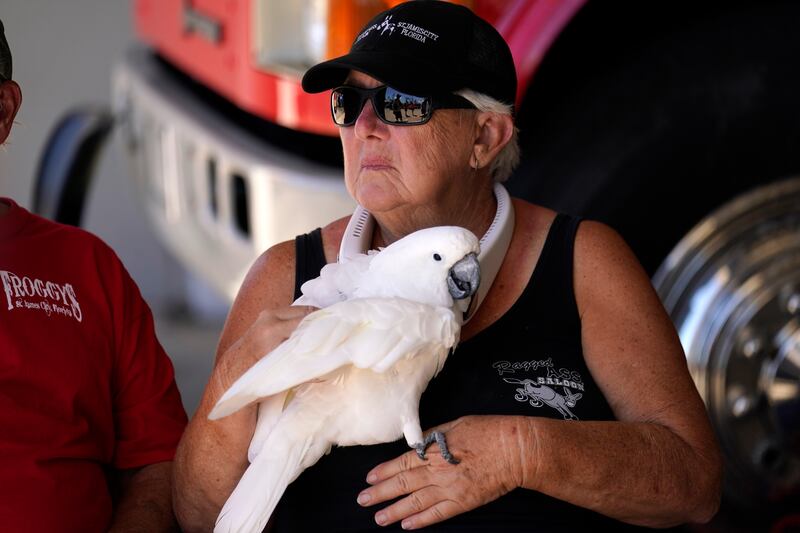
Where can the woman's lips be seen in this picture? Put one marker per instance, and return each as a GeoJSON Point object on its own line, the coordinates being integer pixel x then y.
{"type": "Point", "coordinates": [375, 163]}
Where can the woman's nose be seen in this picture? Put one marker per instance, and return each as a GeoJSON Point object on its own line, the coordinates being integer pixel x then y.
{"type": "Point", "coordinates": [368, 124]}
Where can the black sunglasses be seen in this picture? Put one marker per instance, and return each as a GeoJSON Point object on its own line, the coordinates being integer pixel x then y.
{"type": "Point", "coordinates": [391, 106]}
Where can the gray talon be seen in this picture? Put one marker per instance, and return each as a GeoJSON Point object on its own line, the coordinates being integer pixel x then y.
{"type": "Point", "coordinates": [420, 448]}
{"type": "Point", "coordinates": [439, 438]}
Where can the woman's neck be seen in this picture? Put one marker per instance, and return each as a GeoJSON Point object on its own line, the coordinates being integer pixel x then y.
{"type": "Point", "coordinates": [474, 213]}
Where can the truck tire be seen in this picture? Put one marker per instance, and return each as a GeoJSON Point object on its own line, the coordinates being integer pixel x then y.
{"type": "Point", "coordinates": [653, 117]}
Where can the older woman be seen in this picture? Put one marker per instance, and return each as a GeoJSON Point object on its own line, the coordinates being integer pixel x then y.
{"type": "Point", "coordinates": [568, 401]}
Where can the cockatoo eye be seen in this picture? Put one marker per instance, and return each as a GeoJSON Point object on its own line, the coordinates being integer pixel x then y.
{"type": "Point", "coordinates": [437, 257]}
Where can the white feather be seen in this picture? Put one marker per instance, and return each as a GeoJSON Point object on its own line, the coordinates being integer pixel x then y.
{"type": "Point", "coordinates": [336, 282]}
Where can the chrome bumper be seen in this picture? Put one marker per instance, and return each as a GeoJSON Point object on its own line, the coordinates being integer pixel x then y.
{"type": "Point", "coordinates": [216, 195]}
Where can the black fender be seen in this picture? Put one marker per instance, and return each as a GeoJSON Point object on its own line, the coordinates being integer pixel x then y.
{"type": "Point", "coordinates": [67, 163]}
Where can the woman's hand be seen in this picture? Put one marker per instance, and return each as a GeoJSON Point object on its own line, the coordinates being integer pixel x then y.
{"type": "Point", "coordinates": [488, 450]}
{"type": "Point", "coordinates": [272, 327]}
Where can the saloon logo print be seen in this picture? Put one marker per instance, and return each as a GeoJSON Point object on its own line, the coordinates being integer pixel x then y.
{"type": "Point", "coordinates": [556, 389]}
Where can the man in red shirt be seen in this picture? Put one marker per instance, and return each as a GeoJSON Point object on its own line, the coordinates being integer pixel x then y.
{"type": "Point", "coordinates": [89, 412]}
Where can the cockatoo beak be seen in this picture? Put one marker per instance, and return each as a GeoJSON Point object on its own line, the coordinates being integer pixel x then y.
{"type": "Point", "coordinates": [464, 277]}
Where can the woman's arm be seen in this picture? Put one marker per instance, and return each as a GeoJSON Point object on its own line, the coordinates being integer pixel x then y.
{"type": "Point", "coordinates": [658, 466]}
{"type": "Point", "coordinates": [661, 465]}
{"type": "Point", "coordinates": [212, 456]}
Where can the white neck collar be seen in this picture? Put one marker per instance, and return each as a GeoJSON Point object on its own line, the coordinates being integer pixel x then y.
{"type": "Point", "coordinates": [494, 244]}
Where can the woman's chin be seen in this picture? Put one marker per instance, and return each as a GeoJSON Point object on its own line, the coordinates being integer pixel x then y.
{"type": "Point", "coordinates": [376, 199]}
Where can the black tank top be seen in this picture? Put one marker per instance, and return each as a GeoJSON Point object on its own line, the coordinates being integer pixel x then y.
{"type": "Point", "coordinates": [529, 362]}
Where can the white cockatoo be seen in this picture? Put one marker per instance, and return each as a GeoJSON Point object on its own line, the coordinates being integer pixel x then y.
{"type": "Point", "coordinates": [352, 372]}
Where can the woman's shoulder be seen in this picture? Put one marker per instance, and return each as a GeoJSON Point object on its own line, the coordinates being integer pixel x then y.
{"type": "Point", "coordinates": [606, 268]}
{"type": "Point", "coordinates": [598, 242]}
{"type": "Point", "coordinates": [531, 220]}
{"type": "Point", "coordinates": [592, 237]}
{"type": "Point", "coordinates": [276, 265]}
{"type": "Point", "coordinates": [270, 280]}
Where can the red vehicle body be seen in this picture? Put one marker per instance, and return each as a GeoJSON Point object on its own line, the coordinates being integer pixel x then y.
{"type": "Point", "coordinates": [676, 122]}
{"type": "Point", "coordinates": [221, 58]}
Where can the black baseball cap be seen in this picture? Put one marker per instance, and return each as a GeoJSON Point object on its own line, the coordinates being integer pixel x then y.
{"type": "Point", "coordinates": [5, 55]}
{"type": "Point", "coordinates": [425, 47]}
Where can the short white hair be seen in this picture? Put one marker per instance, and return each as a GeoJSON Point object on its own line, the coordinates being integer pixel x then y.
{"type": "Point", "coordinates": [508, 158]}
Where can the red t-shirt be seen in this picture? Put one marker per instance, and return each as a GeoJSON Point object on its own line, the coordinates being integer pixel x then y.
{"type": "Point", "coordinates": [85, 387]}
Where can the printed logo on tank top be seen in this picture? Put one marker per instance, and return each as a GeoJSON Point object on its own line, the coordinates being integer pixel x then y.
{"type": "Point", "coordinates": [542, 384]}
{"type": "Point", "coordinates": [52, 299]}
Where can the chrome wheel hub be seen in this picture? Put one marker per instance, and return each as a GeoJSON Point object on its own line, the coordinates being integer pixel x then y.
{"type": "Point", "coordinates": [732, 288]}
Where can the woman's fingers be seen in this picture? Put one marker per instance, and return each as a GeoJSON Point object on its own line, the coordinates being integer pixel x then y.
{"type": "Point", "coordinates": [437, 512]}
{"type": "Point", "coordinates": [434, 490]}
{"type": "Point", "coordinates": [383, 471]}
{"type": "Point", "coordinates": [420, 507]}
{"type": "Point", "coordinates": [274, 326]}
{"type": "Point", "coordinates": [401, 483]}
{"type": "Point", "coordinates": [294, 311]}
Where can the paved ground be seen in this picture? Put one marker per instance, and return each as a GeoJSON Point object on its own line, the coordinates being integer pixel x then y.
{"type": "Point", "coordinates": [191, 345]}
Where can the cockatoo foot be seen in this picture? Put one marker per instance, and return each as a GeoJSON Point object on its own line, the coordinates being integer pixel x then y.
{"type": "Point", "coordinates": [439, 438]}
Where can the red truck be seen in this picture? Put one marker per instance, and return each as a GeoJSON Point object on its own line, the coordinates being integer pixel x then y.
{"type": "Point", "coordinates": [676, 122]}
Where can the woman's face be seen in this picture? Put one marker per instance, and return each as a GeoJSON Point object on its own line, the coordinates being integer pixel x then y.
{"type": "Point", "coordinates": [406, 169]}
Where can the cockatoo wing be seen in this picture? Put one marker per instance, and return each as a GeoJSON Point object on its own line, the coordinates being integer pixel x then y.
{"type": "Point", "coordinates": [369, 333]}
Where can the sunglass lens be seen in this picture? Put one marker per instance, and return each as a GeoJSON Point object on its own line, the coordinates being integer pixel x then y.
{"type": "Point", "coordinates": [345, 105]}
{"type": "Point", "coordinates": [402, 108]}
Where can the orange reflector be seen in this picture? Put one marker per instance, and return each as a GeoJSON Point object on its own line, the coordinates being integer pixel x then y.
{"type": "Point", "coordinates": [345, 18]}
